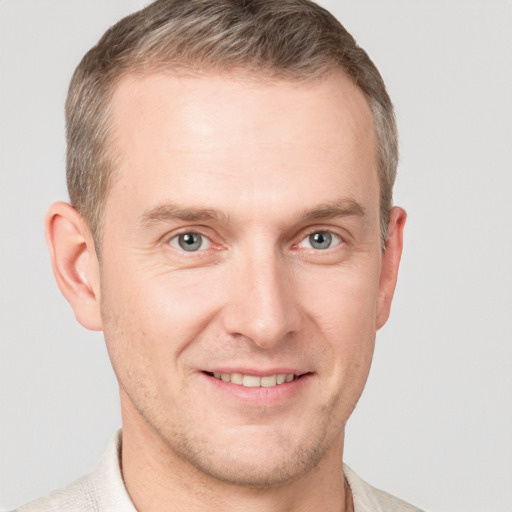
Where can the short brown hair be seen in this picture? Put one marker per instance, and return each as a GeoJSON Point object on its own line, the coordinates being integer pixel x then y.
{"type": "Point", "coordinates": [286, 39]}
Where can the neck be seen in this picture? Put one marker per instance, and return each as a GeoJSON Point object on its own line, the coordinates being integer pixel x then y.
{"type": "Point", "coordinates": [158, 479]}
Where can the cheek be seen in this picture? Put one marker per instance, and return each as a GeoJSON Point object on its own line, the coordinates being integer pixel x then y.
{"type": "Point", "coordinates": [343, 300]}
{"type": "Point", "coordinates": [344, 311]}
{"type": "Point", "coordinates": [156, 314]}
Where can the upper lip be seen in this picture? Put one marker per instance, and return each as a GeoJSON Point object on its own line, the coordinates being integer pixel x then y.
{"type": "Point", "coordinates": [258, 372]}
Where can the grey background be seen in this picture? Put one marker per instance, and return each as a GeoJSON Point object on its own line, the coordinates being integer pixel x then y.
{"type": "Point", "coordinates": [435, 423]}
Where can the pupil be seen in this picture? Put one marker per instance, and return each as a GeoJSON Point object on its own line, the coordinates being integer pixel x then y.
{"type": "Point", "coordinates": [190, 241]}
{"type": "Point", "coordinates": [321, 240]}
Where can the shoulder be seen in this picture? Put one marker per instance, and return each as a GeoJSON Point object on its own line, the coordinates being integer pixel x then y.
{"type": "Point", "coordinates": [102, 490]}
{"type": "Point", "coordinates": [77, 496]}
{"type": "Point", "coordinates": [369, 499]}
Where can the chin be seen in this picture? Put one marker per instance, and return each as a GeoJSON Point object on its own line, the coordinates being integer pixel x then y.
{"type": "Point", "coordinates": [259, 475]}
{"type": "Point", "coordinates": [263, 462]}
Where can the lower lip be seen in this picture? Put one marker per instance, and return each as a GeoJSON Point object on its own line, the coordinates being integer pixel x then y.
{"type": "Point", "coordinates": [260, 396]}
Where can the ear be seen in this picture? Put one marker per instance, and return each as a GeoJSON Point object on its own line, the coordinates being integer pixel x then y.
{"type": "Point", "coordinates": [390, 263]}
{"type": "Point", "coordinates": [74, 261]}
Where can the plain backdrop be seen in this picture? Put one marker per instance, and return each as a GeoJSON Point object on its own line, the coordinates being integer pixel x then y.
{"type": "Point", "coordinates": [434, 425]}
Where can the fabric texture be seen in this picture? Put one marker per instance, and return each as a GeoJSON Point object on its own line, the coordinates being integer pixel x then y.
{"type": "Point", "coordinates": [103, 490]}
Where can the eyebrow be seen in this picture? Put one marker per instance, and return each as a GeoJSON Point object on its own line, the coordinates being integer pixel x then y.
{"type": "Point", "coordinates": [341, 208]}
{"type": "Point", "coordinates": [171, 212]}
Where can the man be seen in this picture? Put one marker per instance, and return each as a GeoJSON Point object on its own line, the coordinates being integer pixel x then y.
{"type": "Point", "coordinates": [231, 230]}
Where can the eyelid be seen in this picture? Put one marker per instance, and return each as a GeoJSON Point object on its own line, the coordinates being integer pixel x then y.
{"type": "Point", "coordinates": [205, 241]}
{"type": "Point", "coordinates": [196, 230]}
{"type": "Point", "coordinates": [339, 238]}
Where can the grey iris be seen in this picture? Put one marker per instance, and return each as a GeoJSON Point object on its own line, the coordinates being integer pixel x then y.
{"type": "Point", "coordinates": [190, 241]}
{"type": "Point", "coordinates": [320, 240]}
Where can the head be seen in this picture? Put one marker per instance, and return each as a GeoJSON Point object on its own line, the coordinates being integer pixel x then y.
{"type": "Point", "coordinates": [234, 161]}
{"type": "Point", "coordinates": [294, 40]}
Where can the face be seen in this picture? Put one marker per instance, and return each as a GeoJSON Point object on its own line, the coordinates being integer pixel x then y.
{"type": "Point", "coordinates": [241, 277]}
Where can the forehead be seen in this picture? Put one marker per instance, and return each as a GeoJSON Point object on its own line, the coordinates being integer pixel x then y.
{"type": "Point", "coordinates": [245, 101]}
{"type": "Point", "coordinates": [208, 137]}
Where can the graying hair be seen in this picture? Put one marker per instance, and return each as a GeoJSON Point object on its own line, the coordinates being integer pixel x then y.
{"type": "Point", "coordinates": [284, 39]}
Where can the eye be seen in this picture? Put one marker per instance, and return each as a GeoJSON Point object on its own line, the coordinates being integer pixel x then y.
{"type": "Point", "coordinates": [190, 242]}
{"type": "Point", "coordinates": [320, 240]}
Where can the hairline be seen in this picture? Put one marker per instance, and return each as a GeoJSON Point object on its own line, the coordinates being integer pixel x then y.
{"type": "Point", "coordinates": [249, 73]}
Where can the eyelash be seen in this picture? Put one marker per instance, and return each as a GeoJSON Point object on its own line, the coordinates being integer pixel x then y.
{"type": "Point", "coordinates": [334, 237]}
{"type": "Point", "coordinates": [176, 245]}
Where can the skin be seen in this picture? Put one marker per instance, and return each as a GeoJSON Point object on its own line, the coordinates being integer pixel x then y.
{"type": "Point", "coordinates": [254, 168]}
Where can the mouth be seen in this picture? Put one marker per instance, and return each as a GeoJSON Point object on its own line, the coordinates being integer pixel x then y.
{"type": "Point", "coordinates": [255, 381]}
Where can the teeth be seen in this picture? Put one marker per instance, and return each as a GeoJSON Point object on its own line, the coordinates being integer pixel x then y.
{"type": "Point", "coordinates": [269, 381]}
{"type": "Point", "coordinates": [252, 381]}
{"type": "Point", "coordinates": [237, 378]}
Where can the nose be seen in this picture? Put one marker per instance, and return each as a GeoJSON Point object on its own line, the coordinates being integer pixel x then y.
{"type": "Point", "coordinates": [261, 304]}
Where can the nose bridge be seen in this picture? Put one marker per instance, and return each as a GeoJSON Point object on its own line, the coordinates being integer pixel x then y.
{"type": "Point", "coordinates": [262, 305]}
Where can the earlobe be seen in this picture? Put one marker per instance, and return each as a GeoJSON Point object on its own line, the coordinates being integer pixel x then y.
{"type": "Point", "coordinates": [390, 263]}
{"type": "Point", "coordinates": [74, 261]}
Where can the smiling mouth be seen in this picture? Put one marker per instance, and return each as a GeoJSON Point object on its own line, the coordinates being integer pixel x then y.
{"type": "Point", "coordinates": [254, 381]}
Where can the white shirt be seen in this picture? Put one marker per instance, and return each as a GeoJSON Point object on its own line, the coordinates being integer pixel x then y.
{"type": "Point", "coordinates": [103, 490]}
